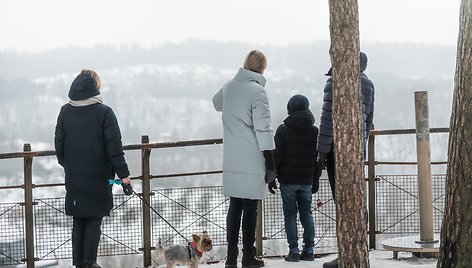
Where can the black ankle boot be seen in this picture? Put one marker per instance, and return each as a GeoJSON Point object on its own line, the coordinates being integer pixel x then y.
{"type": "Point", "coordinates": [93, 265]}
{"type": "Point", "coordinates": [331, 264]}
{"type": "Point", "coordinates": [250, 260]}
{"type": "Point", "coordinates": [232, 259]}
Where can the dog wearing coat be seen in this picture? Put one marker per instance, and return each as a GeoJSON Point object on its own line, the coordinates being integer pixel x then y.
{"type": "Point", "coordinates": [190, 254]}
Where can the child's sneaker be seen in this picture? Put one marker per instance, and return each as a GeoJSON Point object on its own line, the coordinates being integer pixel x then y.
{"type": "Point", "coordinates": [293, 257]}
{"type": "Point", "coordinates": [306, 256]}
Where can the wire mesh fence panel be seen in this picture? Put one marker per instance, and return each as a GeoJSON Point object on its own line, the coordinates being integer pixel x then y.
{"type": "Point", "coordinates": [323, 210]}
{"type": "Point", "coordinates": [12, 235]}
{"type": "Point", "coordinates": [52, 229]}
{"type": "Point", "coordinates": [397, 207]}
{"type": "Point", "coordinates": [122, 231]}
{"type": "Point", "coordinates": [439, 200]}
{"type": "Point", "coordinates": [187, 211]}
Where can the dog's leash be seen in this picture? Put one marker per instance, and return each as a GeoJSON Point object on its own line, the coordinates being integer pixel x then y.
{"type": "Point", "coordinates": [128, 190]}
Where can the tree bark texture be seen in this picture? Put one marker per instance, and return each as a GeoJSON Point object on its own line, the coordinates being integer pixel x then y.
{"type": "Point", "coordinates": [351, 224]}
{"type": "Point", "coordinates": [456, 233]}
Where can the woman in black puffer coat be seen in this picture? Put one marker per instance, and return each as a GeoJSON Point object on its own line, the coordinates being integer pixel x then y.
{"type": "Point", "coordinates": [88, 146]}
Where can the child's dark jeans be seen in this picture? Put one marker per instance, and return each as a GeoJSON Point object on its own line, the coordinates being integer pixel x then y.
{"type": "Point", "coordinates": [297, 198]}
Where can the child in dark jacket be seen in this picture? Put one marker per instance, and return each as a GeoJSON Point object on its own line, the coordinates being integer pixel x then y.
{"type": "Point", "coordinates": [295, 156]}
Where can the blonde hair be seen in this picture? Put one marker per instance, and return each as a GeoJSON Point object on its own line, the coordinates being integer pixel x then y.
{"type": "Point", "coordinates": [255, 61]}
{"type": "Point", "coordinates": [95, 77]}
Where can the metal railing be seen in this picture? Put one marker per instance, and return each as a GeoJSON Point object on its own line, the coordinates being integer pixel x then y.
{"type": "Point", "coordinates": [373, 180]}
{"type": "Point", "coordinates": [38, 229]}
{"type": "Point", "coordinates": [29, 203]}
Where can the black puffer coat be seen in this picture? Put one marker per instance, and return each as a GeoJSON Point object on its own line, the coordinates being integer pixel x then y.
{"type": "Point", "coordinates": [325, 139]}
{"type": "Point", "coordinates": [295, 148]}
{"type": "Point", "coordinates": [88, 146]}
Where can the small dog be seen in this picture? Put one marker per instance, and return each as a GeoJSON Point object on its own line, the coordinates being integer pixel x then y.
{"type": "Point", "coordinates": [190, 255]}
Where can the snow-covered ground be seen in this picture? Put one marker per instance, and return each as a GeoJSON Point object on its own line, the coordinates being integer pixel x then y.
{"type": "Point", "coordinates": [378, 259]}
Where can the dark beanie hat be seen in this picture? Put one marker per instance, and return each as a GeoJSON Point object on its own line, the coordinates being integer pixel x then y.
{"type": "Point", "coordinates": [330, 72]}
{"type": "Point", "coordinates": [297, 103]}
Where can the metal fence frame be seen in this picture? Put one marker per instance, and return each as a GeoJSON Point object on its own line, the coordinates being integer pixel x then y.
{"type": "Point", "coordinates": [372, 178]}
{"type": "Point", "coordinates": [147, 218]}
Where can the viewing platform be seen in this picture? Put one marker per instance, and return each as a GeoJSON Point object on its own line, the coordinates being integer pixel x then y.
{"type": "Point", "coordinates": [36, 230]}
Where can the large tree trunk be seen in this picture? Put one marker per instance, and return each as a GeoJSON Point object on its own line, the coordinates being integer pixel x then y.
{"type": "Point", "coordinates": [456, 233]}
{"type": "Point", "coordinates": [351, 223]}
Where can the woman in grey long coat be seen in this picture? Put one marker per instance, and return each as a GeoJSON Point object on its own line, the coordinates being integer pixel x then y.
{"type": "Point", "coordinates": [248, 160]}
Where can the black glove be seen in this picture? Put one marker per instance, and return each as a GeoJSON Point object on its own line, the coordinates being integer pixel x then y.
{"type": "Point", "coordinates": [127, 188]}
{"type": "Point", "coordinates": [316, 185]}
{"type": "Point", "coordinates": [270, 166]}
{"type": "Point", "coordinates": [316, 180]}
{"type": "Point", "coordinates": [272, 186]}
{"type": "Point", "coordinates": [321, 161]}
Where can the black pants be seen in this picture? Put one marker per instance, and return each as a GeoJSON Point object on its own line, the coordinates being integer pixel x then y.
{"type": "Point", "coordinates": [85, 238]}
{"type": "Point", "coordinates": [248, 209]}
{"type": "Point", "coordinates": [330, 168]}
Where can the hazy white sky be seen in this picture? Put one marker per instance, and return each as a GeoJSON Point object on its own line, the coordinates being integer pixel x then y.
{"type": "Point", "coordinates": [32, 25]}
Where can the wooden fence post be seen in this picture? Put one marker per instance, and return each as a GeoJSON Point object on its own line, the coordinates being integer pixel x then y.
{"type": "Point", "coordinates": [372, 191]}
{"type": "Point", "coordinates": [28, 195]}
{"type": "Point", "coordinates": [146, 195]}
{"type": "Point", "coordinates": [425, 190]}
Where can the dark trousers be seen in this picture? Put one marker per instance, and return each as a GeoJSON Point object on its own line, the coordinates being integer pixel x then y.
{"type": "Point", "coordinates": [330, 168]}
{"type": "Point", "coordinates": [296, 199]}
{"type": "Point", "coordinates": [248, 209]}
{"type": "Point", "coordinates": [85, 238]}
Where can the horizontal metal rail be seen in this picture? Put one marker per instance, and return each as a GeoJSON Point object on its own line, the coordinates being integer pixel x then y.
{"type": "Point", "coordinates": [173, 175]}
{"type": "Point", "coordinates": [376, 132]}
{"type": "Point", "coordinates": [125, 147]}
{"type": "Point", "coordinates": [406, 163]}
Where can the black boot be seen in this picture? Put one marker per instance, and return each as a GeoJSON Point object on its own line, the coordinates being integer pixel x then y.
{"type": "Point", "coordinates": [250, 260]}
{"type": "Point", "coordinates": [232, 258]}
{"type": "Point", "coordinates": [307, 254]}
{"type": "Point", "coordinates": [93, 265]}
{"type": "Point", "coordinates": [331, 264]}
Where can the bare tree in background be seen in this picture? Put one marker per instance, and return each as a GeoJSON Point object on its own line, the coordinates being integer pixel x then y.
{"type": "Point", "coordinates": [456, 233]}
{"type": "Point", "coordinates": [351, 224]}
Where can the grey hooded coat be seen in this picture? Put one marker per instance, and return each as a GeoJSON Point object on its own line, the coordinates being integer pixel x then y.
{"type": "Point", "coordinates": [246, 133]}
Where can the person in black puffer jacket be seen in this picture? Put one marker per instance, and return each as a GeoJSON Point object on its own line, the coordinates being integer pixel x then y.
{"type": "Point", "coordinates": [295, 156]}
{"type": "Point", "coordinates": [326, 157]}
{"type": "Point", "coordinates": [88, 146]}
{"type": "Point", "coordinates": [325, 145]}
